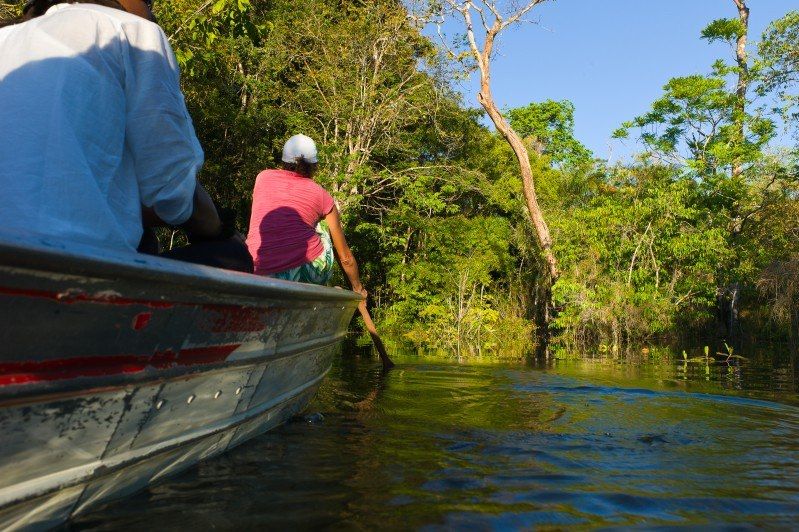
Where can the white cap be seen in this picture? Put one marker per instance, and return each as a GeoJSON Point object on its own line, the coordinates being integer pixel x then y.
{"type": "Point", "coordinates": [299, 147]}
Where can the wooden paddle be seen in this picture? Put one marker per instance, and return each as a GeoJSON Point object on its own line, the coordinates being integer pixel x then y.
{"type": "Point", "coordinates": [370, 326]}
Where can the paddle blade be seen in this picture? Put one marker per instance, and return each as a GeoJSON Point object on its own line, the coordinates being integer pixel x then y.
{"type": "Point", "coordinates": [378, 343]}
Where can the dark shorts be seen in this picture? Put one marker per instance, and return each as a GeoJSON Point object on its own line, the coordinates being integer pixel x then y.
{"type": "Point", "coordinates": [229, 254]}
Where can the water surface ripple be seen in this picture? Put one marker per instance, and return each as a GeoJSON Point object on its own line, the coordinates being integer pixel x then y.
{"type": "Point", "coordinates": [436, 444]}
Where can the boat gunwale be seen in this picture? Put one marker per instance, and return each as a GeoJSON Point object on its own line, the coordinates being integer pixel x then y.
{"type": "Point", "coordinates": [87, 261]}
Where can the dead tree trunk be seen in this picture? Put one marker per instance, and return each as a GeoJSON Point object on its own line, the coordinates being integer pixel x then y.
{"type": "Point", "coordinates": [493, 22]}
{"type": "Point", "coordinates": [523, 157]}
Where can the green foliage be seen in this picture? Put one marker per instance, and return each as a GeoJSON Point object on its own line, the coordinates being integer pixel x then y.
{"type": "Point", "coordinates": [694, 124]}
{"type": "Point", "coordinates": [447, 260]}
{"type": "Point", "coordinates": [549, 125]}
{"type": "Point", "coordinates": [639, 256]}
{"type": "Point", "coordinates": [451, 290]}
{"type": "Point", "coordinates": [720, 145]}
{"type": "Point", "coordinates": [779, 49]}
{"type": "Point", "coordinates": [778, 66]}
{"type": "Point", "coordinates": [9, 11]}
{"type": "Point", "coordinates": [194, 28]}
{"type": "Point", "coordinates": [724, 29]}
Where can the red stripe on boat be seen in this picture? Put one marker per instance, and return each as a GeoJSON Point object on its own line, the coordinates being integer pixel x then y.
{"type": "Point", "coordinates": [226, 318]}
{"type": "Point", "coordinates": [70, 368]}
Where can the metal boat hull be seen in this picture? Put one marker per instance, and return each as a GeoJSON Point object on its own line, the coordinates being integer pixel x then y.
{"type": "Point", "coordinates": [118, 371]}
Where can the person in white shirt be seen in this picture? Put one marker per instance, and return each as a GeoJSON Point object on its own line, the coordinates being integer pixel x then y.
{"type": "Point", "coordinates": [95, 137]}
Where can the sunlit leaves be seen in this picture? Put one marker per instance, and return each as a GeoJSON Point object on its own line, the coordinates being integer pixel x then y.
{"type": "Point", "coordinates": [195, 27]}
{"type": "Point", "coordinates": [639, 256]}
{"type": "Point", "coordinates": [724, 29]}
{"type": "Point", "coordinates": [778, 65]}
{"type": "Point", "coordinates": [549, 125]}
{"type": "Point", "coordinates": [9, 10]}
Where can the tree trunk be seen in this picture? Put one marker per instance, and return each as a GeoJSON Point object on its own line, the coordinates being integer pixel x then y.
{"type": "Point", "coordinates": [793, 331]}
{"type": "Point", "coordinates": [542, 313]}
{"type": "Point", "coordinates": [486, 99]}
{"type": "Point", "coordinates": [733, 326]}
{"type": "Point", "coordinates": [523, 157]}
{"type": "Point", "coordinates": [732, 292]}
{"type": "Point", "coordinates": [743, 82]}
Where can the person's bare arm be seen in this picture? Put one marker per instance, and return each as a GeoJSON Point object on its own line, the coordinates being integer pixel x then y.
{"type": "Point", "coordinates": [343, 253]}
{"type": "Point", "coordinates": [204, 221]}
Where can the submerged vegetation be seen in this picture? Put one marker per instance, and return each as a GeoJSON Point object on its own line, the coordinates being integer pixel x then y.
{"type": "Point", "coordinates": [697, 235]}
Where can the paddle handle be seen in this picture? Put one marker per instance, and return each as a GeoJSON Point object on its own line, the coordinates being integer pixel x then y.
{"type": "Point", "coordinates": [370, 327]}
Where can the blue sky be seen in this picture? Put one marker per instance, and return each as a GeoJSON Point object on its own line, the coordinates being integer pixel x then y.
{"type": "Point", "coordinates": [611, 58]}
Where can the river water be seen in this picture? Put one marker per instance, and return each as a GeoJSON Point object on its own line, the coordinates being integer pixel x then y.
{"type": "Point", "coordinates": [596, 440]}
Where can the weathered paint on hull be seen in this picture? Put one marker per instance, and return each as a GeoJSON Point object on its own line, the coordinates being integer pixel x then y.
{"type": "Point", "coordinates": [117, 371]}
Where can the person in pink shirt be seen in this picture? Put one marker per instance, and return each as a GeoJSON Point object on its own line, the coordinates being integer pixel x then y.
{"type": "Point", "coordinates": [286, 239]}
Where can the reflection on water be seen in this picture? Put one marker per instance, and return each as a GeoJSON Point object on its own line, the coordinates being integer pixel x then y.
{"type": "Point", "coordinates": [612, 441]}
{"type": "Point", "coordinates": [770, 374]}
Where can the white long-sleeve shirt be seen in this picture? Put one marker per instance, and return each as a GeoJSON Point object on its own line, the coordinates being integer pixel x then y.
{"type": "Point", "coordinates": [92, 126]}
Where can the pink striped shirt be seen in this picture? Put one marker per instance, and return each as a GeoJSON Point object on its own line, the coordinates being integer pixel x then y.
{"type": "Point", "coordinates": [285, 210]}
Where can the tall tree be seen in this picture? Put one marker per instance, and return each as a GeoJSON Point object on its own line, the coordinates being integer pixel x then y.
{"type": "Point", "coordinates": [362, 82]}
{"type": "Point", "coordinates": [735, 31]}
{"type": "Point", "coordinates": [743, 79]}
{"type": "Point", "coordinates": [493, 20]}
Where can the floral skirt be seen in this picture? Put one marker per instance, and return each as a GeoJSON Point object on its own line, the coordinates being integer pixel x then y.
{"type": "Point", "coordinates": [318, 271]}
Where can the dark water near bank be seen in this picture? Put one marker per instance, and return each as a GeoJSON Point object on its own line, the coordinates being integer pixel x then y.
{"type": "Point", "coordinates": [642, 439]}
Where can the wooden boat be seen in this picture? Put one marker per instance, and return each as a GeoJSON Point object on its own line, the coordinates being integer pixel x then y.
{"type": "Point", "coordinates": [117, 370]}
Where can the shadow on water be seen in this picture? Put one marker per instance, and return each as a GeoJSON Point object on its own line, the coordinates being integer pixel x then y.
{"type": "Point", "coordinates": [437, 444]}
